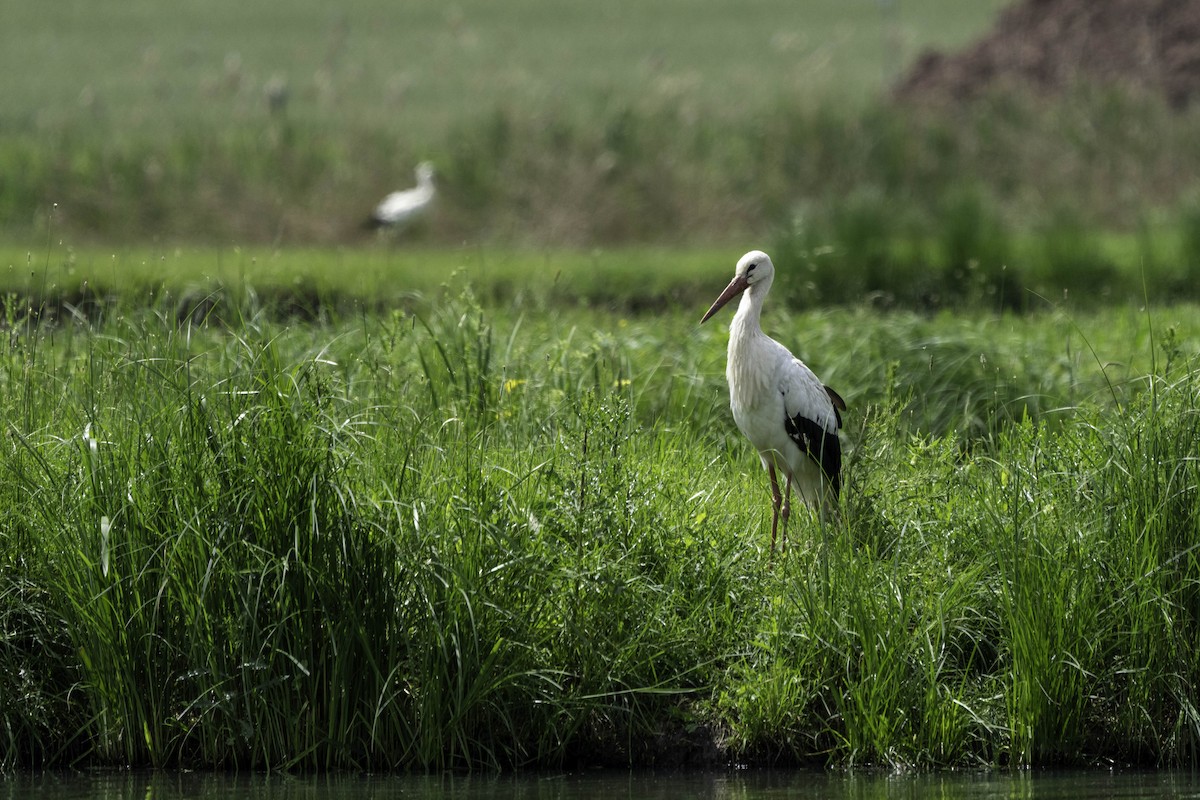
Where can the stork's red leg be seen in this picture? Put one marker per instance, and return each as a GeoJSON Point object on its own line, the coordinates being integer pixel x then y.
{"type": "Point", "coordinates": [787, 508]}
{"type": "Point", "coordinates": [775, 500]}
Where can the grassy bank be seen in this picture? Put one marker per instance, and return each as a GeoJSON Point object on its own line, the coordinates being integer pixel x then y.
{"type": "Point", "coordinates": [847, 259]}
{"type": "Point", "coordinates": [473, 498]}
{"type": "Point", "coordinates": [474, 537]}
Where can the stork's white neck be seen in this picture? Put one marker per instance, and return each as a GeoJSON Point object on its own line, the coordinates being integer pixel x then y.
{"type": "Point", "coordinates": [747, 343]}
{"type": "Point", "coordinates": [746, 320]}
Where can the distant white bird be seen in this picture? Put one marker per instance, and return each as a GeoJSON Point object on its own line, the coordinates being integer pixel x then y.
{"type": "Point", "coordinates": [789, 416]}
{"type": "Point", "coordinates": [400, 208]}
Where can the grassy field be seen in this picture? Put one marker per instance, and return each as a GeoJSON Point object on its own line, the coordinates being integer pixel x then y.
{"type": "Point", "coordinates": [756, 121]}
{"type": "Point", "coordinates": [414, 72]}
{"type": "Point", "coordinates": [854, 258]}
{"type": "Point", "coordinates": [154, 123]}
{"type": "Point", "coordinates": [469, 534]}
{"type": "Point", "coordinates": [473, 498]}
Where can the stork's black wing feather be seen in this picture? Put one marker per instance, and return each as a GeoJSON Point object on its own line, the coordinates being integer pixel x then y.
{"type": "Point", "coordinates": [822, 446]}
{"type": "Point", "coordinates": [838, 403]}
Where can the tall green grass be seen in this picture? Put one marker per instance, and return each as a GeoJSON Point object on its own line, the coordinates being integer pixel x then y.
{"type": "Point", "coordinates": [464, 537]}
{"type": "Point", "coordinates": [1026, 607]}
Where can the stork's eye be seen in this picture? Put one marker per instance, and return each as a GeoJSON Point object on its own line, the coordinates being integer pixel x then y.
{"type": "Point", "coordinates": [750, 268]}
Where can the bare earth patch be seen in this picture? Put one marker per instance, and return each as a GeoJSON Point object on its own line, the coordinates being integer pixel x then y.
{"type": "Point", "coordinates": [1048, 45]}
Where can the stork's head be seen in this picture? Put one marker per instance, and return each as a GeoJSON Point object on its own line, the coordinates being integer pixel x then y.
{"type": "Point", "coordinates": [424, 172]}
{"type": "Point", "coordinates": [753, 269]}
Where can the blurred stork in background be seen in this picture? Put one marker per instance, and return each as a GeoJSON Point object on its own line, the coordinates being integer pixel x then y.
{"type": "Point", "coordinates": [399, 209]}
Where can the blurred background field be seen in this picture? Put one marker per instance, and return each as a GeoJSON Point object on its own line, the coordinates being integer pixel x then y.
{"type": "Point", "coordinates": [415, 70]}
{"type": "Point", "coordinates": [549, 123]}
{"type": "Point", "coordinates": [816, 130]}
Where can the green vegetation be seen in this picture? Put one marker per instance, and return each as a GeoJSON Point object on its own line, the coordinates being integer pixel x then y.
{"type": "Point", "coordinates": [610, 173]}
{"type": "Point", "coordinates": [844, 261]}
{"type": "Point", "coordinates": [762, 123]}
{"type": "Point", "coordinates": [475, 536]}
{"type": "Point", "coordinates": [475, 499]}
{"type": "Point", "coordinates": [417, 71]}
{"type": "Point", "coordinates": [548, 123]}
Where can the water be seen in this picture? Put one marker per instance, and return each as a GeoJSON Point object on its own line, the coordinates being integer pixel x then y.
{"type": "Point", "coordinates": [748, 785]}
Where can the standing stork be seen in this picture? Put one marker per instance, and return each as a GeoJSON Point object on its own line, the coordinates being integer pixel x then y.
{"type": "Point", "coordinates": [790, 417]}
{"type": "Point", "coordinates": [400, 208]}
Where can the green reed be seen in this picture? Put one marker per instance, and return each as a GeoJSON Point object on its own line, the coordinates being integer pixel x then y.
{"type": "Point", "coordinates": [470, 538]}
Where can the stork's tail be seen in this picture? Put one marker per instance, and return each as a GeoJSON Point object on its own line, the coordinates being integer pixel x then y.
{"type": "Point", "coordinates": [372, 223]}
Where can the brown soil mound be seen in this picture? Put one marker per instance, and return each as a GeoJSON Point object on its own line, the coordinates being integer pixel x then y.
{"type": "Point", "coordinates": [1049, 45]}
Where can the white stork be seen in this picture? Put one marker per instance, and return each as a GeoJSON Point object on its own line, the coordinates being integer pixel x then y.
{"type": "Point", "coordinates": [400, 208]}
{"type": "Point", "coordinates": [785, 411]}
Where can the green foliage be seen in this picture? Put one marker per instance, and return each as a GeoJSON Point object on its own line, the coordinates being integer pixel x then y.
{"type": "Point", "coordinates": [976, 251]}
{"type": "Point", "coordinates": [1073, 261]}
{"type": "Point", "coordinates": [1189, 255]}
{"type": "Point", "coordinates": [907, 203]}
{"type": "Point", "coordinates": [467, 537]}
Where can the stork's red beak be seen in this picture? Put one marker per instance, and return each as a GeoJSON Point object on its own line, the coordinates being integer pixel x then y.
{"type": "Point", "coordinates": [735, 287]}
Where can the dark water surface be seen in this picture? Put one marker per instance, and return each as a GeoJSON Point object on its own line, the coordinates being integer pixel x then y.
{"type": "Point", "coordinates": [748, 785]}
